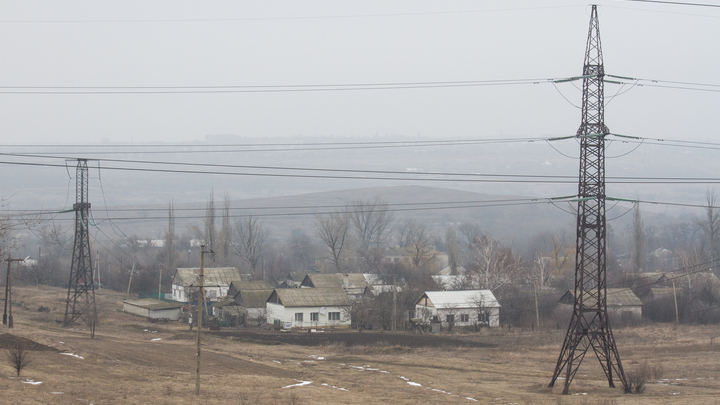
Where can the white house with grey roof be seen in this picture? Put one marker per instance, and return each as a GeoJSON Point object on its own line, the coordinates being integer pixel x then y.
{"type": "Point", "coordinates": [309, 307]}
{"type": "Point", "coordinates": [459, 308]}
{"type": "Point", "coordinates": [217, 282]}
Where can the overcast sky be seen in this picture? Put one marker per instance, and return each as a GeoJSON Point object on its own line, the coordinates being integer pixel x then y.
{"type": "Point", "coordinates": [230, 43]}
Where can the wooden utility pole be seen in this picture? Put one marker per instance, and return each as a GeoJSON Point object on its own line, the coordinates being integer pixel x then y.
{"type": "Point", "coordinates": [394, 312]}
{"type": "Point", "coordinates": [537, 309]}
{"type": "Point", "coordinates": [7, 313]}
{"type": "Point", "coordinates": [132, 271]}
{"type": "Point", "coordinates": [97, 268]}
{"type": "Point", "coordinates": [160, 284]}
{"type": "Point", "coordinates": [677, 316]}
{"type": "Point", "coordinates": [201, 300]}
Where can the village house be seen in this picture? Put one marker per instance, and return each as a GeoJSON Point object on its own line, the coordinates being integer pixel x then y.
{"type": "Point", "coordinates": [622, 303]}
{"type": "Point", "coordinates": [309, 307]}
{"type": "Point", "coordinates": [459, 308]}
{"type": "Point", "coordinates": [217, 282]}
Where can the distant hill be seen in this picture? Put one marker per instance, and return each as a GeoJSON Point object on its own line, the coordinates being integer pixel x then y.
{"type": "Point", "coordinates": [506, 217]}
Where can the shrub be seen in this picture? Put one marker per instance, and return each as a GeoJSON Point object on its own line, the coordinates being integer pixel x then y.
{"type": "Point", "coordinates": [637, 379]}
{"type": "Point", "coordinates": [18, 355]}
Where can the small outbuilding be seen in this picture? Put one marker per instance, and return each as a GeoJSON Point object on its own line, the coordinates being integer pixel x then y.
{"type": "Point", "coordinates": [354, 284]}
{"type": "Point", "coordinates": [153, 309]}
{"type": "Point", "coordinates": [621, 302]}
{"type": "Point", "coordinates": [309, 307]}
{"type": "Point", "coordinates": [459, 308]}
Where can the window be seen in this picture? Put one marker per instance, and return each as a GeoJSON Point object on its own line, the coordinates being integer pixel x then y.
{"type": "Point", "coordinates": [314, 316]}
{"type": "Point", "coordinates": [482, 317]}
{"type": "Point", "coordinates": [464, 318]}
{"type": "Point", "coordinates": [333, 316]}
{"type": "Point", "coordinates": [450, 319]}
{"type": "Point", "coordinates": [298, 317]}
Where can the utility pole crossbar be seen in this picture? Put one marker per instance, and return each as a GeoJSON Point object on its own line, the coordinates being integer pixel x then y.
{"type": "Point", "coordinates": [589, 327]}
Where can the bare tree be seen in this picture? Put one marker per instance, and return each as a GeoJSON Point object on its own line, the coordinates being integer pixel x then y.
{"type": "Point", "coordinates": [226, 233]}
{"type": "Point", "coordinates": [470, 231]}
{"type": "Point", "coordinates": [637, 254]}
{"type": "Point", "coordinates": [209, 223]}
{"type": "Point", "coordinates": [18, 355]}
{"type": "Point", "coordinates": [372, 224]}
{"type": "Point", "coordinates": [333, 229]}
{"type": "Point", "coordinates": [711, 227]}
{"type": "Point", "coordinates": [494, 264]}
{"type": "Point", "coordinates": [453, 250]}
{"type": "Point", "coordinates": [252, 240]}
{"type": "Point", "coordinates": [170, 239]}
{"type": "Point", "coordinates": [208, 233]}
{"type": "Point", "coordinates": [417, 240]}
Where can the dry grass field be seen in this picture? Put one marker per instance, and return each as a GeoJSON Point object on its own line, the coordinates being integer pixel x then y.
{"type": "Point", "coordinates": [132, 361]}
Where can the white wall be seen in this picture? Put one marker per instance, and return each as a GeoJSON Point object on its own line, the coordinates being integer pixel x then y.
{"type": "Point", "coordinates": [173, 313]}
{"type": "Point", "coordinates": [494, 315]}
{"type": "Point", "coordinates": [278, 311]}
{"type": "Point", "coordinates": [179, 293]}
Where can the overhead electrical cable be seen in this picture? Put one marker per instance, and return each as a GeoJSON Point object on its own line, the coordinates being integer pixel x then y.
{"type": "Point", "coordinates": [291, 88]}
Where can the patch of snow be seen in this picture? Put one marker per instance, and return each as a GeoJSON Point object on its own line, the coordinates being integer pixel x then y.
{"type": "Point", "coordinates": [299, 384]}
{"type": "Point", "coordinates": [58, 393]}
{"type": "Point", "coordinates": [32, 382]}
{"type": "Point", "coordinates": [155, 340]}
{"type": "Point", "coordinates": [275, 361]}
{"type": "Point", "coordinates": [414, 384]}
{"type": "Point", "coordinates": [472, 399]}
{"type": "Point", "coordinates": [62, 343]}
{"type": "Point", "coordinates": [337, 388]}
{"type": "Point", "coordinates": [74, 355]}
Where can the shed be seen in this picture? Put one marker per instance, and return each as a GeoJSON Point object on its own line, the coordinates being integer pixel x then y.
{"type": "Point", "coordinates": [353, 284]}
{"type": "Point", "coordinates": [253, 301]}
{"type": "Point", "coordinates": [309, 307]}
{"type": "Point", "coordinates": [459, 308]}
{"type": "Point", "coordinates": [217, 282]}
{"type": "Point", "coordinates": [237, 286]}
{"type": "Point", "coordinates": [153, 309]}
{"type": "Point", "coordinates": [621, 302]}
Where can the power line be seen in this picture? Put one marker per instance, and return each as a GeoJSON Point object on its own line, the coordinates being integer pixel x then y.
{"type": "Point", "coordinates": [677, 3]}
{"type": "Point", "coordinates": [116, 90]}
{"type": "Point", "coordinates": [340, 16]}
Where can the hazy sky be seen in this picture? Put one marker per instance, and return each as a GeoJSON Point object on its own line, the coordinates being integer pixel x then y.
{"type": "Point", "coordinates": [231, 43]}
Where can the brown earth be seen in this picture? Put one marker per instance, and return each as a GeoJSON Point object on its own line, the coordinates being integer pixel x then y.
{"type": "Point", "coordinates": [350, 338]}
{"type": "Point", "coordinates": [132, 361]}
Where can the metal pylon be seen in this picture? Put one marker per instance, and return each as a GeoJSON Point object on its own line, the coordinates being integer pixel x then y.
{"type": "Point", "coordinates": [81, 289]}
{"type": "Point", "coordinates": [589, 327]}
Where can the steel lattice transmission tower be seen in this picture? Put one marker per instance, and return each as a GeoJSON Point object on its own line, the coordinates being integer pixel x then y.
{"type": "Point", "coordinates": [81, 288]}
{"type": "Point", "coordinates": [589, 327]}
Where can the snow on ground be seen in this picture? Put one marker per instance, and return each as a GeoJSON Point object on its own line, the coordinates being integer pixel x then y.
{"type": "Point", "coordinates": [74, 355]}
{"type": "Point", "coordinates": [29, 381]}
{"type": "Point", "coordinates": [155, 340]}
{"type": "Point", "coordinates": [299, 384]}
{"type": "Point", "coordinates": [337, 388]}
